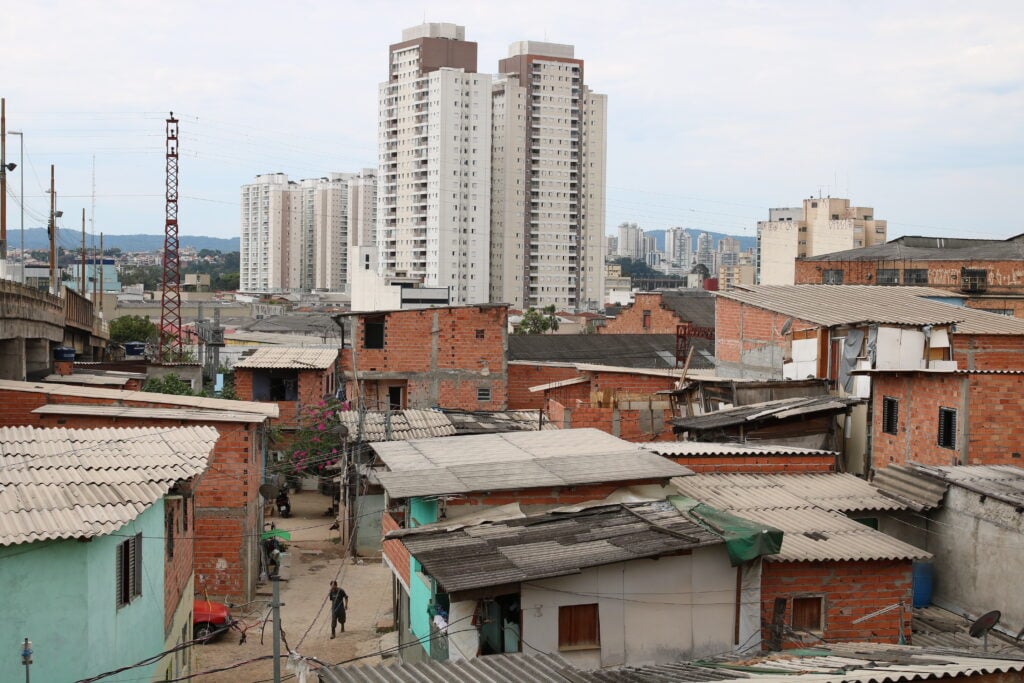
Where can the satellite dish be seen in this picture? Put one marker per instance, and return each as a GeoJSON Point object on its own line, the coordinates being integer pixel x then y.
{"type": "Point", "coordinates": [268, 491]}
{"type": "Point", "coordinates": [787, 326]}
{"type": "Point", "coordinates": [340, 430]}
{"type": "Point", "coordinates": [985, 623]}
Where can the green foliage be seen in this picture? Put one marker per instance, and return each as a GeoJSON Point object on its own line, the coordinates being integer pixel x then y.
{"type": "Point", "coordinates": [224, 273]}
{"type": "Point", "coordinates": [538, 321]}
{"type": "Point", "coordinates": [169, 384]}
{"type": "Point", "coordinates": [132, 328]}
{"type": "Point", "coordinates": [700, 269]}
{"type": "Point", "coordinates": [639, 269]}
{"type": "Point", "coordinates": [316, 444]}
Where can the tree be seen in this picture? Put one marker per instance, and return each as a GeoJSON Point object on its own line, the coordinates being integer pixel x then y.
{"type": "Point", "coordinates": [318, 444]}
{"type": "Point", "coordinates": [132, 328]}
{"type": "Point", "coordinates": [538, 322]}
{"type": "Point", "coordinates": [700, 269]}
{"type": "Point", "coordinates": [169, 384]}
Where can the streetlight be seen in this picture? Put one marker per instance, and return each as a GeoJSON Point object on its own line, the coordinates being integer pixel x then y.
{"type": "Point", "coordinates": [21, 145]}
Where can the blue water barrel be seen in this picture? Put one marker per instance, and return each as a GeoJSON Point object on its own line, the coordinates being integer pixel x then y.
{"type": "Point", "coordinates": [64, 353]}
{"type": "Point", "coordinates": [923, 582]}
{"type": "Point", "coordinates": [134, 348]}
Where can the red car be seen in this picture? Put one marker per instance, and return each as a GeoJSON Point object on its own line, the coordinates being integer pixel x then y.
{"type": "Point", "coordinates": [209, 619]}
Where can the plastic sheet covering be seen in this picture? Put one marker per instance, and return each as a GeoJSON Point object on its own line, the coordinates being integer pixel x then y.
{"type": "Point", "coordinates": [744, 540]}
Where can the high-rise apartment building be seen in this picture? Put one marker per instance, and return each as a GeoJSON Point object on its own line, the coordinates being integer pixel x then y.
{"type": "Point", "coordinates": [265, 246]}
{"type": "Point", "coordinates": [631, 241]}
{"type": "Point", "coordinates": [549, 139]}
{"type": "Point", "coordinates": [362, 217]}
{"type": "Point", "coordinates": [330, 218]}
{"type": "Point", "coordinates": [820, 226]}
{"type": "Point", "coordinates": [706, 254]}
{"type": "Point", "coordinates": [678, 247]}
{"type": "Point", "coordinates": [434, 179]}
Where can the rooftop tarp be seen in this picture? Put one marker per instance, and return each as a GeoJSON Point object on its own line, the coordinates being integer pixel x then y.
{"type": "Point", "coordinates": [744, 540]}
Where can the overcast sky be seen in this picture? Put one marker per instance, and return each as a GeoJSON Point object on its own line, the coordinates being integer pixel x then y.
{"type": "Point", "coordinates": [717, 110]}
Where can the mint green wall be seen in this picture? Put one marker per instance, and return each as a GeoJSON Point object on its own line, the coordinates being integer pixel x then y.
{"type": "Point", "coordinates": [421, 592]}
{"type": "Point", "coordinates": [61, 595]}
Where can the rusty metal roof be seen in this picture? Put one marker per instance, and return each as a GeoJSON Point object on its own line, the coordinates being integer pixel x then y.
{"type": "Point", "coordinates": [289, 358]}
{"type": "Point", "coordinates": [832, 305]}
{"type": "Point", "coordinates": [808, 508]}
{"type": "Point", "coordinates": [265, 409]}
{"type": "Point", "coordinates": [60, 483]}
{"type": "Point", "coordinates": [516, 460]}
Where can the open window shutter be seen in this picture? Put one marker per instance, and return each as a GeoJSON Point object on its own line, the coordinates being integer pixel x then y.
{"type": "Point", "coordinates": [119, 575]}
{"type": "Point", "coordinates": [137, 565]}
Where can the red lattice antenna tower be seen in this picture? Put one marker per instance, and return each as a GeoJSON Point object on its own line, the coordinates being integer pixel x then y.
{"type": "Point", "coordinates": [170, 302]}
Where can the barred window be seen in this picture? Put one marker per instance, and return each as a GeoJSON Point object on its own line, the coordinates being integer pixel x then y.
{"type": "Point", "coordinates": [947, 428]}
{"type": "Point", "coordinates": [890, 415]}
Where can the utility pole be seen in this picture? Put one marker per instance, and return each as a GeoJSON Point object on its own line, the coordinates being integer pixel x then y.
{"type": "Point", "coordinates": [53, 235]}
{"type": "Point", "coordinates": [82, 279]}
{"type": "Point", "coordinates": [3, 179]}
{"type": "Point", "coordinates": [276, 580]}
{"type": "Point", "coordinates": [21, 179]}
{"type": "Point", "coordinates": [102, 268]}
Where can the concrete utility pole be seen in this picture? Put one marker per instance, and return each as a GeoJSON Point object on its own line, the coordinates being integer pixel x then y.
{"type": "Point", "coordinates": [3, 178]}
{"type": "Point", "coordinates": [53, 236]}
{"type": "Point", "coordinates": [102, 267]}
{"type": "Point", "coordinates": [276, 580]}
{"type": "Point", "coordinates": [82, 279]}
{"type": "Point", "coordinates": [21, 180]}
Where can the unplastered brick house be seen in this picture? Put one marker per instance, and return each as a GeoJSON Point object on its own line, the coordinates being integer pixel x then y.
{"type": "Point", "coordinates": [663, 313]}
{"type": "Point", "coordinates": [228, 511]}
{"type": "Point", "coordinates": [447, 357]}
{"type": "Point", "coordinates": [291, 377]}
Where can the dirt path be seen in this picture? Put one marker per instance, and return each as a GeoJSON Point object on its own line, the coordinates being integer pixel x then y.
{"type": "Point", "coordinates": [315, 561]}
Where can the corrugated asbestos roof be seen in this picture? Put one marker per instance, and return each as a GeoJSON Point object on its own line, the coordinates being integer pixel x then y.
{"type": "Point", "coordinates": [553, 544]}
{"type": "Point", "coordinates": [999, 482]}
{"type": "Point", "coordinates": [266, 409]}
{"type": "Point", "coordinates": [938, 249]}
{"type": "Point", "coordinates": [510, 668]}
{"type": "Point", "coordinates": [695, 306]}
{"type": "Point", "coordinates": [768, 410]}
{"type": "Point", "coordinates": [396, 425]}
{"type": "Point", "coordinates": [807, 507]}
{"type": "Point", "coordinates": [516, 460]}
{"type": "Point", "coordinates": [290, 358]}
{"type": "Point", "coordinates": [678, 449]}
{"type": "Point", "coordinates": [913, 488]}
{"type": "Point", "coordinates": [625, 350]}
{"type": "Point", "coordinates": [499, 421]}
{"type": "Point", "coordinates": [832, 305]}
{"type": "Point", "coordinates": [77, 483]}
{"type": "Point", "coordinates": [93, 380]}
{"type": "Point", "coordinates": [116, 411]}
{"type": "Point", "coordinates": [280, 339]}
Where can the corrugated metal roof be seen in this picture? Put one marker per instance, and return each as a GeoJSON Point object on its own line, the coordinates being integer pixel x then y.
{"type": "Point", "coordinates": [999, 482]}
{"type": "Point", "coordinates": [498, 421]}
{"type": "Point", "coordinates": [553, 544]}
{"type": "Point", "coordinates": [77, 483]}
{"type": "Point", "coordinates": [291, 358]}
{"type": "Point", "coordinates": [832, 305]}
{"type": "Point", "coordinates": [913, 488]}
{"type": "Point", "coordinates": [774, 410]}
{"type": "Point", "coordinates": [396, 425]}
{"type": "Point", "coordinates": [84, 378]}
{"type": "Point", "coordinates": [281, 339]}
{"type": "Point", "coordinates": [116, 411]}
{"type": "Point", "coordinates": [266, 409]}
{"type": "Point", "coordinates": [508, 668]}
{"type": "Point", "coordinates": [709, 448]}
{"type": "Point", "coordinates": [630, 350]}
{"type": "Point", "coordinates": [516, 460]}
{"type": "Point", "coordinates": [807, 507]}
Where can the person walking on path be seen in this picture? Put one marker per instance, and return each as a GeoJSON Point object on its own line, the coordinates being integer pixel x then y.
{"type": "Point", "coordinates": [339, 606]}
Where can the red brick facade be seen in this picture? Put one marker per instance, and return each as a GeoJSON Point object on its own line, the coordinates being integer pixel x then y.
{"type": "Point", "coordinates": [440, 357]}
{"type": "Point", "coordinates": [313, 387]}
{"type": "Point", "coordinates": [627, 424]}
{"type": "Point", "coordinates": [226, 518]}
{"type": "Point", "coordinates": [646, 315]}
{"type": "Point", "coordinates": [988, 351]}
{"type": "Point", "coordinates": [1004, 277]}
{"type": "Point", "coordinates": [745, 336]}
{"type": "Point", "coordinates": [522, 376]}
{"type": "Point", "coordinates": [178, 567]}
{"type": "Point", "coordinates": [395, 553]}
{"type": "Point", "coordinates": [759, 464]}
{"type": "Point", "coordinates": [989, 430]}
{"type": "Point", "coordinates": [851, 589]}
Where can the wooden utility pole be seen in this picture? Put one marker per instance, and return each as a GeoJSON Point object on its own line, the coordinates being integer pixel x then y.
{"type": "Point", "coordinates": [82, 279]}
{"type": "Point", "coordinates": [53, 235]}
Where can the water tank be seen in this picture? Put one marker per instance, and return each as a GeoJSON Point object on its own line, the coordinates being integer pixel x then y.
{"type": "Point", "coordinates": [923, 582]}
{"type": "Point", "coordinates": [134, 348]}
{"type": "Point", "coordinates": [64, 353]}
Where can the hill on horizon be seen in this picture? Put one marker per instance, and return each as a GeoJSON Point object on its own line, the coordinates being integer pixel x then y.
{"type": "Point", "coordinates": [36, 238]}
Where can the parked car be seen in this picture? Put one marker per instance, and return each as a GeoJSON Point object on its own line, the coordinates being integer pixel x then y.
{"type": "Point", "coordinates": [209, 620]}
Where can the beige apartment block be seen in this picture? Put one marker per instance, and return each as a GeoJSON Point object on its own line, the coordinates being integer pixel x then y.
{"type": "Point", "coordinates": [434, 178]}
{"type": "Point", "coordinates": [822, 226]}
{"type": "Point", "coordinates": [738, 274]}
{"type": "Point", "coordinates": [265, 246]}
{"type": "Point", "coordinates": [549, 134]}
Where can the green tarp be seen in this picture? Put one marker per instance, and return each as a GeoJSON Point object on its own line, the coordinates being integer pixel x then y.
{"type": "Point", "coordinates": [744, 540]}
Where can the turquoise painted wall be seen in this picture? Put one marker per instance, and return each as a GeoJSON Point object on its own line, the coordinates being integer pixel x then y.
{"type": "Point", "coordinates": [61, 595]}
{"type": "Point", "coordinates": [421, 592]}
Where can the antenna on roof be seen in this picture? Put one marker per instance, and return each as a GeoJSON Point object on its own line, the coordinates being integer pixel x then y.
{"type": "Point", "coordinates": [786, 326]}
{"type": "Point", "coordinates": [983, 624]}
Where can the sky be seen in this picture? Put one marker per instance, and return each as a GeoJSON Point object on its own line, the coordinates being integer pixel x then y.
{"type": "Point", "coordinates": [717, 110]}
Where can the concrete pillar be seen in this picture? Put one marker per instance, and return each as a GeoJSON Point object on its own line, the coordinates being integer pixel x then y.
{"type": "Point", "coordinates": [38, 357]}
{"type": "Point", "coordinates": [12, 358]}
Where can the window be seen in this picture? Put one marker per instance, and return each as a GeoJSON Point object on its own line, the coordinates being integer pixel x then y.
{"type": "Point", "coordinates": [807, 614]}
{"type": "Point", "coordinates": [915, 276]}
{"type": "Point", "coordinates": [129, 570]}
{"type": "Point", "coordinates": [479, 334]}
{"type": "Point", "coordinates": [373, 333]}
{"type": "Point", "coordinates": [647, 320]}
{"type": "Point", "coordinates": [169, 534]}
{"type": "Point", "coordinates": [887, 276]}
{"type": "Point", "coordinates": [578, 627]}
{"type": "Point", "coordinates": [890, 414]}
{"type": "Point", "coordinates": [947, 428]}
{"type": "Point", "coordinates": [832, 277]}
{"type": "Point", "coordinates": [483, 394]}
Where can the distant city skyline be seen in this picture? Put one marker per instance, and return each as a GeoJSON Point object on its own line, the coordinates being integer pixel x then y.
{"type": "Point", "coordinates": [913, 108]}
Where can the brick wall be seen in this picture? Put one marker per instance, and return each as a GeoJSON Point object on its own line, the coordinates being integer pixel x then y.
{"type": "Point", "coordinates": [750, 339]}
{"type": "Point", "coordinates": [443, 354]}
{"type": "Point", "coordinates": [851, 590]}
{"type": "Point", "coordinates": [998, 305]}
{"type": "Point", "coordinates": [178, 569]}
{"type": "Point", "coordinates": [631, 383]}
{"type": "Point", "coordinates": [550, 495]}
{"type": "Point", "coordinates": [631, 319]}
{"type": "Point", "coordinates": [522, 377]}
{"type": "Point", "coordinates": [991, 434]}
{"type": "Point", "coordinates": [626, 424]}
{"type": "Point", "coordinates": [394, 552]}
{"type": "Point", "coordinates": [988, 352]}
{"type": "Point", "coordinates": [760, 464]}
{"type": "Point", "coordinates": [243, 384]}
{"type": "Point", "coordinates": [1004, 277]}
